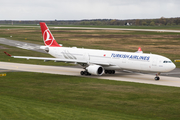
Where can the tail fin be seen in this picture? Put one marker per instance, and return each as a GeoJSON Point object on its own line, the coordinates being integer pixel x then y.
{"type": "Point", "coordinates": [47, 36]}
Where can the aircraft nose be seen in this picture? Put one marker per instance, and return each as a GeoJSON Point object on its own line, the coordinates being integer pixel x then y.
{"type": "Point", "coordinates": [172, 66]}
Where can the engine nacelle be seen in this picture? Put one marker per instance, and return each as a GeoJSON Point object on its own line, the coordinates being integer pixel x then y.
{"type": "Point", "coordinates": [95, 69]}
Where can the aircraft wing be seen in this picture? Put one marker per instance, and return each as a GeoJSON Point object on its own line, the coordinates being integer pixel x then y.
{"type": "Point", "coordinates": [59, 60]}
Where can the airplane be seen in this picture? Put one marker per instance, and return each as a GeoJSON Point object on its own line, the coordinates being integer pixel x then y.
{"type": "Point", "coordinates": [99, 62]}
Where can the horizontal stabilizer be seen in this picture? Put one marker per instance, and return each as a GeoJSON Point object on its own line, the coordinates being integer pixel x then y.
{"type": "Point", "coordinates": [7, 54]}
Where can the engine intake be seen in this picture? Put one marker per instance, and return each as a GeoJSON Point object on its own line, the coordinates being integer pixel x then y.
{"type": "Point", "coordinates": [95, 69]}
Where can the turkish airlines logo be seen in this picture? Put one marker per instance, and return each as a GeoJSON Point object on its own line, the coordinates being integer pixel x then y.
{"type": "Point", "coordinates": [48, 38]}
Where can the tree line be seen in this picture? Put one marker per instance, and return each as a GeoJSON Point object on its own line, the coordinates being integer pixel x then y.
{"type": "Point", "coordinates": [135, 22]}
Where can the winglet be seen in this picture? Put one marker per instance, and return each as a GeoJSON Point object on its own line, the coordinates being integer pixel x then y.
{"type": "Point", "coordinates": [7, 54]}
{"type": "Point", "coordinates": [139, 50]}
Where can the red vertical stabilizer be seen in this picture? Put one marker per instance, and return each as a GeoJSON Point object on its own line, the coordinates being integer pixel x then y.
{"type": "Point", "coordinates": [47, 36]}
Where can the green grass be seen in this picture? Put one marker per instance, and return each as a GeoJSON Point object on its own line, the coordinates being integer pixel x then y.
{"type": "Point", "coordinates": [45, 96]}
{"type": "Point", "coordinates": [18, 108]}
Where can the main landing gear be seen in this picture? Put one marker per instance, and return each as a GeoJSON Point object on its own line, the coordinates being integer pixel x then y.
{"type": "Point", "coordinates": [85, 73]}
{"type": "Point", "coordinates": [109, 71]}
{"type": "Point", "coordinates": [106, 72]}
{"type": "Point", "coordinates": [157, 77]}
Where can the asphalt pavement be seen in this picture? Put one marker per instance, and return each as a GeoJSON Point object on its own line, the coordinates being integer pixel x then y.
{"type": "Point", "coordinates": [75, 71]}
{"type": "Point", "coordinates": [22, 45]}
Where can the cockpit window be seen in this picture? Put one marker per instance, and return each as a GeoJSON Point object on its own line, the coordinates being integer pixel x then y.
{"type": "Point", "coordinates": [167, 61]}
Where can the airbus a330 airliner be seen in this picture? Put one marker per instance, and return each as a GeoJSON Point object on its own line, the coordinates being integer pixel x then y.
{"type": "Point", "coordinates": [97, 62]}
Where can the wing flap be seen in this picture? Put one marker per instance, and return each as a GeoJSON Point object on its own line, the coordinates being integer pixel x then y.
{"type": "Point", "coordinates": [49, 59]}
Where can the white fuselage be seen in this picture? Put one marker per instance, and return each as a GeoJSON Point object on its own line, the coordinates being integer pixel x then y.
{"type": "Point", "coordinates": [115, 60]}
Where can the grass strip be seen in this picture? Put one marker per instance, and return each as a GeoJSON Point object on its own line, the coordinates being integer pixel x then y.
{"type": "Point", "coordinates": [82, 98]}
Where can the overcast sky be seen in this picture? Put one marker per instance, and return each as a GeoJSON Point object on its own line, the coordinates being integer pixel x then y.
{"type": "Point", "coordinates": [87, 9]}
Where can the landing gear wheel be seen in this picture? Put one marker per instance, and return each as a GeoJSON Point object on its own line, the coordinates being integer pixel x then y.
{"type": "Point", "coordinates": [82, 72]}
{"type": "Point", "coordinates": [85, 73]}
{"type": "Point", "coordinates": [157, 78]}
{"type": "Point", "coordinates": [106, 71]}
{"type": "Point", "coordinates": [109, 71]}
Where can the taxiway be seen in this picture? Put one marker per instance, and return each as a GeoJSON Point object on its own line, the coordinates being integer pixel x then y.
{"type": "Point", "coordinates": [22, 45]}
{"type": "Point", "coordinates": [75, 71]}
{"type": "Point", "coordinates": [124, 29]}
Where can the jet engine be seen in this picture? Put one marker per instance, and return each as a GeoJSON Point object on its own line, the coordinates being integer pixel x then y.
{"type": "Point", "coordinates": [95, 69]}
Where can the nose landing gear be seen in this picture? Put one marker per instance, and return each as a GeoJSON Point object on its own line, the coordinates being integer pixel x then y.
{"type": "Point", "coordinates": [157, 76]}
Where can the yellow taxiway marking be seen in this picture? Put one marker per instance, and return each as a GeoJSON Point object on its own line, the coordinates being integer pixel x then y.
{"type": "Point", "coordinates": [177, 60]}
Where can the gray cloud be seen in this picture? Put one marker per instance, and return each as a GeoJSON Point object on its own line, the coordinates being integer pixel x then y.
{"type": "Point", "coordinates": [88, 9]}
